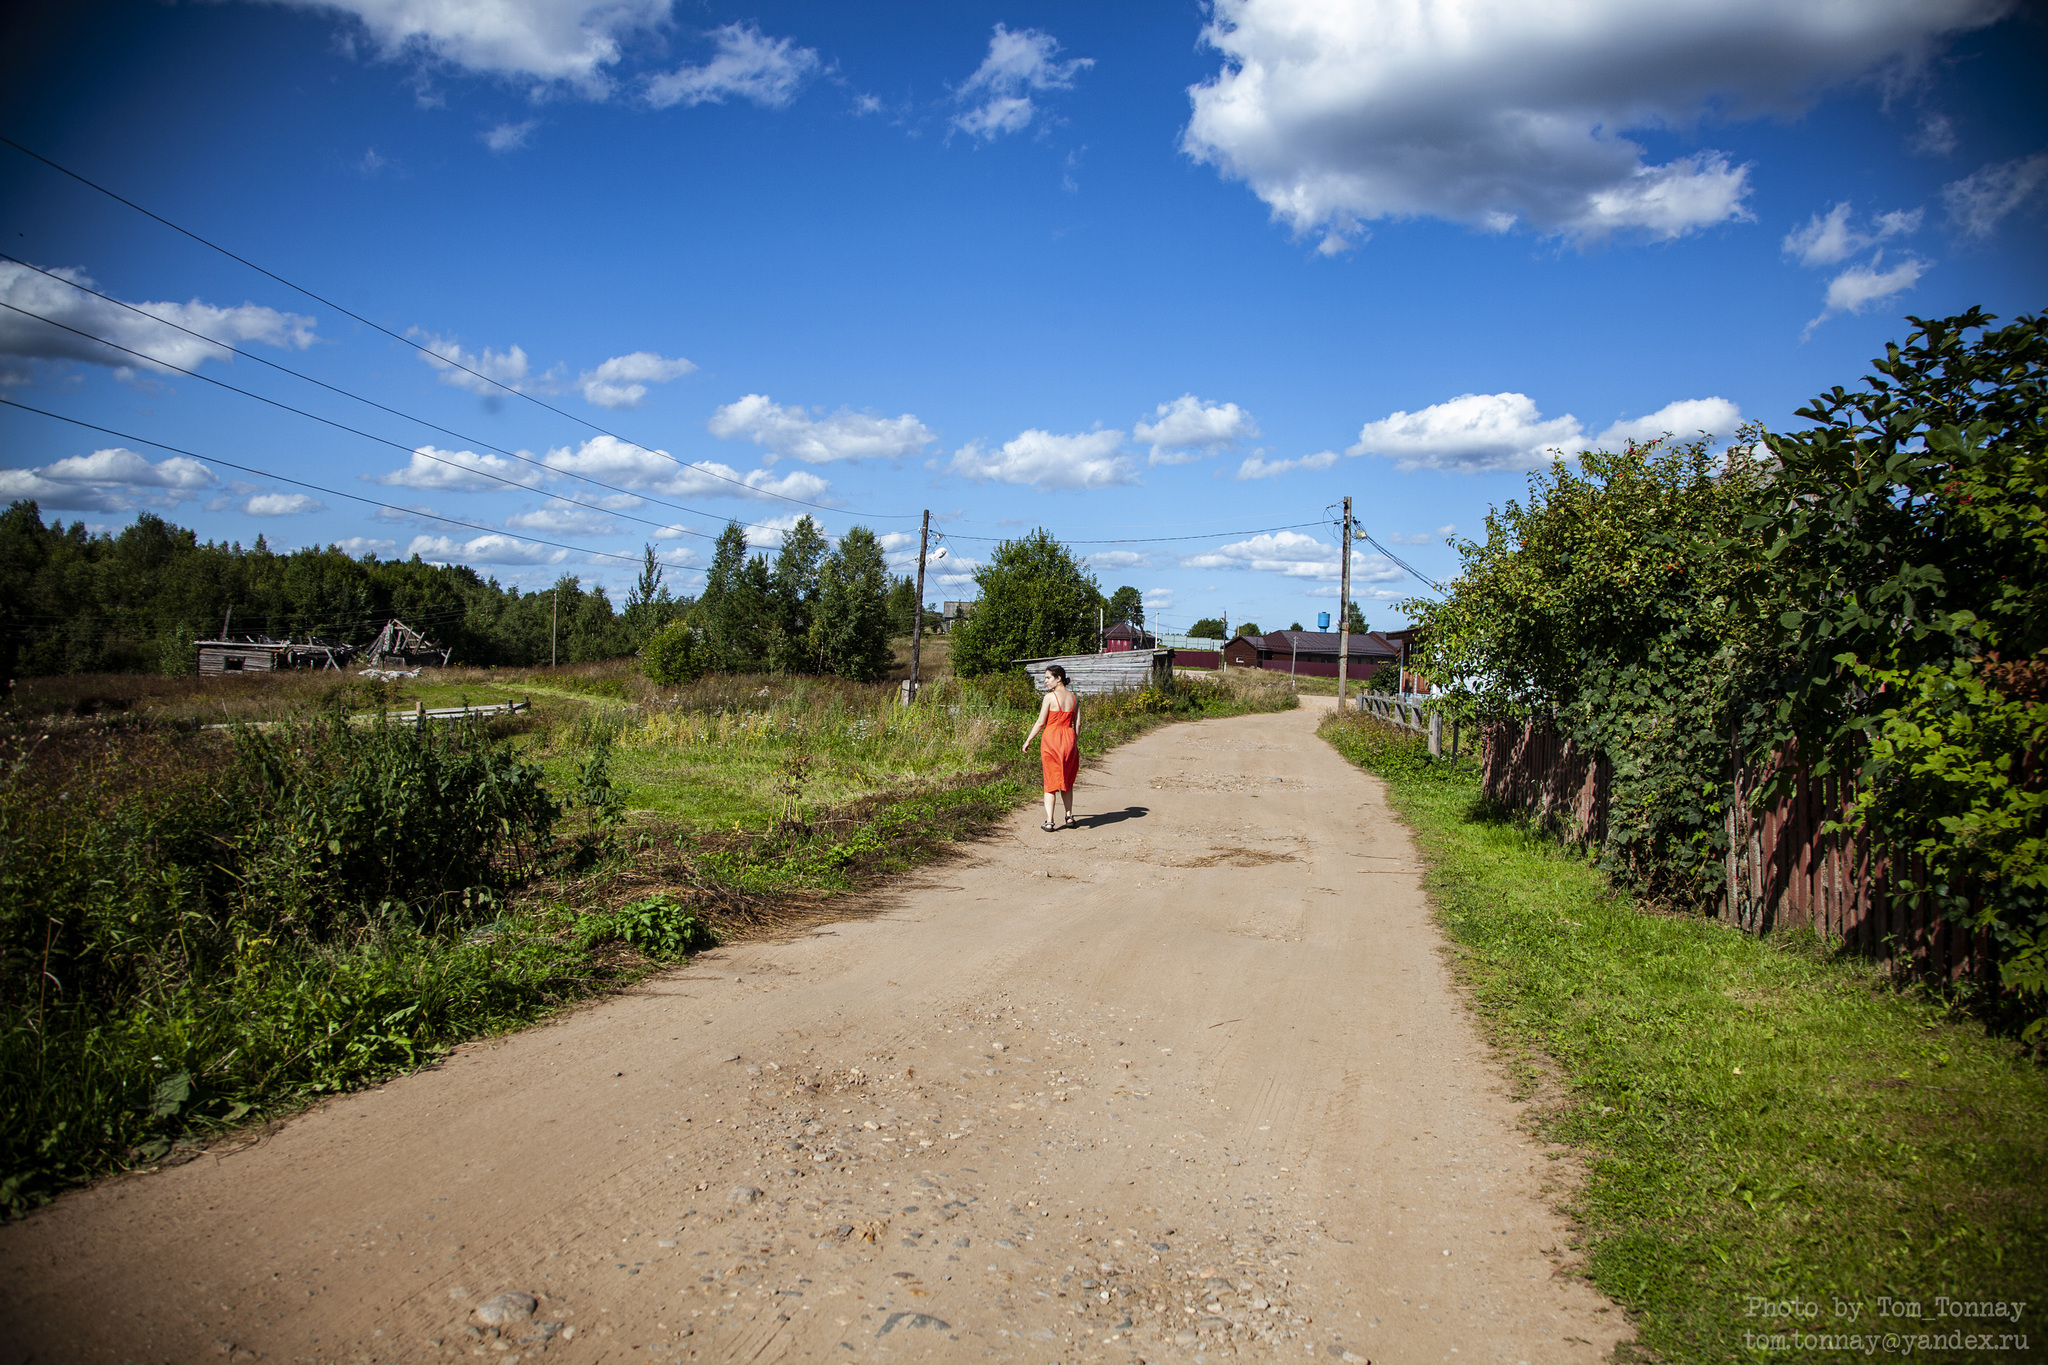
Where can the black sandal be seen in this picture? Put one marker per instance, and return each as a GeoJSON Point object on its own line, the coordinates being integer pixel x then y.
{"type": "Point", "coordinates": [1070, 824]}
{"type": "Point", "coordinates": [1047, 827]}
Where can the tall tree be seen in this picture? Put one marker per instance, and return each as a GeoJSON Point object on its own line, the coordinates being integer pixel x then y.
{"type": "Point", "coordinates": [903, 612]}
{"type": "Point", "coordinates": [793, 589]}
{"type": "Point", "coordinates": [649, 606]}
{"type": "Point", "coordinates": [1208, 628]}
{"type": "Point", "coordinates": [1127, 604]}
{"type": "Point", "coordinates": [732, 603]}
{"type": "Point", "coordinates": [1355, 620]}
{"type": "Point", "coordinates": [850, 635]}
{"type": "Point", "coordinates": [1036, 600]}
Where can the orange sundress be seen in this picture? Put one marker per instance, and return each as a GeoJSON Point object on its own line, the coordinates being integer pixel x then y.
{"type": "Point", "coordinates": [1059, 751]}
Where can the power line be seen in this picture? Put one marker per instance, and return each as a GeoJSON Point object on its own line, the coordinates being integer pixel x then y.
{"type": "Point", "coordinates": [332, 388]}
{"type": "Point", "coordinates": [355, 431]}
{"type": "Point", "coordinates": [321, 488]}
{"type": "Point", "coordinates": [1153, 540]}
{"type": "Point", "coordinates": [1434, 586]}
{"type": "Point", "coordinates": [408, 341]}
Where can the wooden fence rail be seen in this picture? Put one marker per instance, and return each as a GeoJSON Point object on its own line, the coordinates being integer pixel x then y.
{"type": "Point", "coordinates": [1782, 871]}
{"type": "Point", "coordinates": [1409, 713]}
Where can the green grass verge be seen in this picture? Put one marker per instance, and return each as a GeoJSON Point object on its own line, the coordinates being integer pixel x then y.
{"type": "Point", "coordinates": [1763, 1122]}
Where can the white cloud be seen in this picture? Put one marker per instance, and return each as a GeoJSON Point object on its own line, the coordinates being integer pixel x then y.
{"type": "Point", "coordinates": [561, 519]}
{"type": "Point", "coordinates": [484, 549]}
{"type": "Point", "coordinates": [565, 41]}
{"type": "Point", "coordinates": [508, 367]}
{"type": "Point", "coordinates": [1188, 424]}
{"type": "Point", "coordinates": [161, 346]}
{"type": "Point", "coordinates": [899, 551]}
{"type": "Point", "coordinates": [509, 137]}
{"type": "Point", "coordinates": [1091, 459]}
{"type": "Point", "coordinates": [460, 471]}
{"type": "Point", "coordinates": [1830, 239]}
{"type": "Point", "coordinates": [844, 435]}
{"type": "Point", "coordinates": [1861, 286]}
{"type": "Point", "coordinates": [1834, 238]}
{"type": "Point", "coordinates": [111, 480]}
{"type": "Point", "coordinates": [1684, 421]}
{"type": "Point", "coordinates": [768, 534]}
{"type": "Point", "coordinates": [1471, 433]}
{"type": "Point", "coordinates": [1290, 554]}
{"type": "Point", "coordinates": [1424, 537]}
{"type": "Point", "coordinates": [1979, 202]}
{"type": "Point", "coordinates": [749, 65]}
{"type": "Point", "coordinates": [622, 381]}
{"type": "Point", "coordinates": [282, 504]}
{"type": "Point", "coordinates": [1258, 467]}
{"type": "Point", "coordinates": [1482, 432]}
{"type": "Point", "coordinates": [652, 471]}
{"type": "Point", "coordinates": [1118, 559]}
{"type": "Point", "coordinates": [358, 546]}
{"type": "Point", "coordinates": [1936, 135]}
{"type": "Point", "coordinates": [418, 514]}
{"type": "Point", "coordinates": [1018, 65]}
{"type": "Point", "coordinates": [1498, 112]}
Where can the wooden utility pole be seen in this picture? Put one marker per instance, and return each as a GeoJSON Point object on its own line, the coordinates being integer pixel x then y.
{"type": "Point", "coordinates": [554, 624]}
{"type": "Point", "coordinates": [924, 535]}
{"type": "Point", "coordinates": [1344, 610]}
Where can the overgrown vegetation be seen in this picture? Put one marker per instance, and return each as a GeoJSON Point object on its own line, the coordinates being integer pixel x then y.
{"type": "Point", "coordinates": [1868, 596]}
{"type": "Point", "coordinates": [1761, 1120]}
{"type": "Point", "coordinates": [200, 927]}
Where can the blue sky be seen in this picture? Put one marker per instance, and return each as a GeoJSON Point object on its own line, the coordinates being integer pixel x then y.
{"type": "Point", "coordinates": [1128, 272]}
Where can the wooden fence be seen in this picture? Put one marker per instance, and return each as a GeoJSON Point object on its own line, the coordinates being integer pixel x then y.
{"type": "Point", "coordinates": [1781, 870]}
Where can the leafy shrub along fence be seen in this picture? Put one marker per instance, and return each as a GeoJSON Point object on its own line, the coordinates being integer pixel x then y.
{"type": "Point", "coordinates": [1789, 860]}
{"type": "Point", "coordinates": [1869, 594]}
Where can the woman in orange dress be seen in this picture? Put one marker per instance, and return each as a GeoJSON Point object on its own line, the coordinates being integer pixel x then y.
{"type": "Point", "coordinates": [1060, 750]}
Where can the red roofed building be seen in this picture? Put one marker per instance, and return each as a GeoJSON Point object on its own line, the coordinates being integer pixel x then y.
{"type": "Point", "coordinates": [1312, 653]}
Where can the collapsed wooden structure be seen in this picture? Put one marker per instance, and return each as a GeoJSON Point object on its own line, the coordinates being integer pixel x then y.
{"type": "Point", "coordinates": [398, 643]}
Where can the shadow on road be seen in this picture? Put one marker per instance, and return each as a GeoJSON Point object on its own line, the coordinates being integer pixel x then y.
{"type": "Point", "coordinates": [1112, 817]}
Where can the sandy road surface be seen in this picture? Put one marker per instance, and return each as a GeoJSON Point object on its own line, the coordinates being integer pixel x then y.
{"type": "Point", "coordinates": [1189, 1084]}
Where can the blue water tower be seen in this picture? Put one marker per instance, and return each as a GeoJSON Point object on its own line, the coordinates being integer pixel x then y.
{"type": "Point", "coordinates": [1322, 620]}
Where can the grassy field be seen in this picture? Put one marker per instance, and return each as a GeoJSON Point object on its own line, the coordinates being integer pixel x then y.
{"type": "Point", "coordinates": [1770, 1129]}
{"type": "Point", "coordinates": [203, 927]}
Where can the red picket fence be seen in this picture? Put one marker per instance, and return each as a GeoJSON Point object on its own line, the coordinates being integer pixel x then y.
{"type": "Point", "coordinates": [1530, 768]}
{"type": "Point", "coordinates": [1782, 871]}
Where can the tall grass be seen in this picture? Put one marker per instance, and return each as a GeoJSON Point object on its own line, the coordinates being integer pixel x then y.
{"type": "Point", "coordinates": [192, 925]}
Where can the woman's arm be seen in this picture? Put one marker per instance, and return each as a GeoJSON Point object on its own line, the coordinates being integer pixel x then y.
{"type": "Point", "coordinates": [1042, 705]}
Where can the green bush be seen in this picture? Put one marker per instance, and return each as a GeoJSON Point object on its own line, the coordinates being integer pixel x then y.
{"type": "Point", "coordinates": [674, 655]}
{"type": "Point", "coordinates": [1036, 602]}
{"type": "Point", "coordinates": [659, 926]}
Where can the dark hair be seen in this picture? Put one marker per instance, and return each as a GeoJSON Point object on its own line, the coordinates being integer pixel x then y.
{"type": "Point", "coordinates": [1057, 671]}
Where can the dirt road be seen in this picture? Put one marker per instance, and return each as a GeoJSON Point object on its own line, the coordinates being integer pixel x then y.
{"type": "Point", "coordinates": [1190, 1083]}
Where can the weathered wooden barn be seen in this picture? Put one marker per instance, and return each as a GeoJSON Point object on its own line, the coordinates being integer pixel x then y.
{"type": "Point", "coordinates": [1093, 674]}
{"type": "Point", "coordinates": [252, 654]}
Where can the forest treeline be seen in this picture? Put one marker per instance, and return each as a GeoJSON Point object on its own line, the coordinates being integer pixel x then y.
{"type": "Point", "coordinates": [134, 601]}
